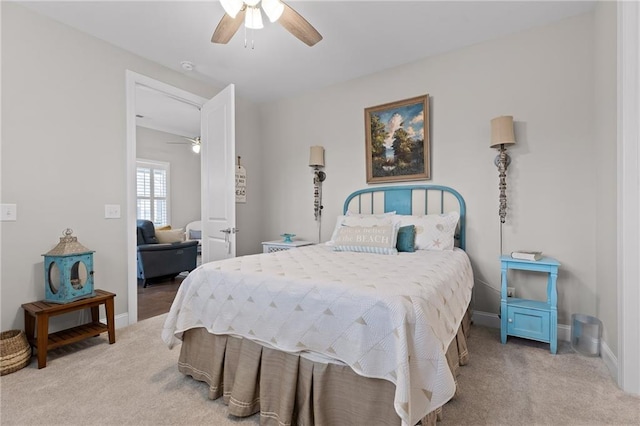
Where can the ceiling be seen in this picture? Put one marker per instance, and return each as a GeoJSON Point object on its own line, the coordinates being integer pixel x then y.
{"type": "Point", "coordinates": [360, 37]}
{"type": "Point", "coordinates": [155, 110]}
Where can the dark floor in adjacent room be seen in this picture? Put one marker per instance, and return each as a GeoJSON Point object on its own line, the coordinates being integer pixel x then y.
{"type": "Point", "coordinates": [157, 298]}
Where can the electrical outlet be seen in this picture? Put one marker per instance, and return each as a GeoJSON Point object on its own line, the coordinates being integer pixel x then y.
{"type": "Point", "coordinates": [511, 292]}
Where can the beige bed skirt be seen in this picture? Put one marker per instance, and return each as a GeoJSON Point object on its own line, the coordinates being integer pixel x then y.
{"type": "Point", "coordinates": [287, 389]}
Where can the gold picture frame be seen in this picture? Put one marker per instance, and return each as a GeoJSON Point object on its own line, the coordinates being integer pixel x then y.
{"type": "Point", "coordinates": [397, 141]}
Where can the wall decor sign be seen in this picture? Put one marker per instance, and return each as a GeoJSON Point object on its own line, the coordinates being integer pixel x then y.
{"type": "Point", "coordinates": [397, 141]}
{"type": "Point", "coordinates": [241, 183]}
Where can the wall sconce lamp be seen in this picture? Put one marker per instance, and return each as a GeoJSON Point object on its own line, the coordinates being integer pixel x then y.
{"type": "Point", "coordinates": [316, 160]}
{"type": "Point", "coordinates": [502, 135]}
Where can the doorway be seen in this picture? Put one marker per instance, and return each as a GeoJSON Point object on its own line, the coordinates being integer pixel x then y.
{"type": "Point", "coordinates": [136, 82]}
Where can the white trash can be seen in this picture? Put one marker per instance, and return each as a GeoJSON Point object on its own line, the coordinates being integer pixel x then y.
{"type": "Point", "coordinates": [586, 334]}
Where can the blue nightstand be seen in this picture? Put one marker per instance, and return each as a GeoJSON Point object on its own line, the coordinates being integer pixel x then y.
{"type": "Point", "coordinates": [530, 319]}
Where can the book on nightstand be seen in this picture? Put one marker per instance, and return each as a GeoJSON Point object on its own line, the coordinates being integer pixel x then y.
{"type": "Point", "coordinates": [526, 255]}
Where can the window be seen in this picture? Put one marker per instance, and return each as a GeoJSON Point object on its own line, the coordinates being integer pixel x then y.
{"type": "Point", "coordinates": [152, 191]}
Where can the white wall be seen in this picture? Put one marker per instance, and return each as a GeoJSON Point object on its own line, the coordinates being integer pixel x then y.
{"type": "Point", "coordinates": [184, 184]}
{"type": "Point", "coordinates": [543, 77]}
{"type": "Point", "coordinates": [605, 72]}
{"type": "Point", "coordinates": [64, 153]}
{"type": "Point", "coordinates": [250, 147]}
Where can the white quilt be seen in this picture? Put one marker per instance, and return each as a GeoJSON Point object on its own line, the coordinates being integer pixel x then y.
{"type": "Point", "coordinates": [388, 317]}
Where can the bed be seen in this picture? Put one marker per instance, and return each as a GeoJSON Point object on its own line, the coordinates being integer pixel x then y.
{"type": "Point", "coordinates": [337, 333]}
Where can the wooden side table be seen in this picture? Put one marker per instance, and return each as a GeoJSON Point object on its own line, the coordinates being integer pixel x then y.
{"type": "Point", "coordinates": [530, 319]}
{"type": "Point", "coordinates": [36, 315]}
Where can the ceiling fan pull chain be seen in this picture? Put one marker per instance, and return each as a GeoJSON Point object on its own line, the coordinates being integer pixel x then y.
{"type": "Point", "coordinates": [245, 37]}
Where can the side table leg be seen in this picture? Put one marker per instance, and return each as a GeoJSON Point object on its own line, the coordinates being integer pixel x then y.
{"type": "Point", "coordinates": [29, 326]}
{"type": "Point", "coordinates": [553, 301]}
{"type": "Point", "coordinates": [108, 306]}
{"type": "Point", "coordinates": [95, 314]}
{"type": "Point", "coordinates": [42, 339]}
{"type": "Point", "coordinates": [503, 304]}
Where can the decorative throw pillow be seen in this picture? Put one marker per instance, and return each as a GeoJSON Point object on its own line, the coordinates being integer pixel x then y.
{"type": "Point", "coordinates": [367, 239]}
{"type": "Point", "coordinates": [433, 231]}
{"type": "Point", "coordinates": [163, 228]}
{"type": "Point", "coordinates": [406, 239]}
{"type": "Point", "coordinates": [170, 236]}
{"type": "Point", "coordinates": [195, 234]}
{"type": "Point", "coordinates": [353, 219]}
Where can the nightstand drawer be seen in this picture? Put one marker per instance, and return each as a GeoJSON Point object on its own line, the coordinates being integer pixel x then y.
{"type": "Point", "coordinates": [528, 323]}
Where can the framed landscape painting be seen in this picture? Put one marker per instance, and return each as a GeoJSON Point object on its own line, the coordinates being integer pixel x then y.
{"type": "Point", "coordinates": [397, 138]}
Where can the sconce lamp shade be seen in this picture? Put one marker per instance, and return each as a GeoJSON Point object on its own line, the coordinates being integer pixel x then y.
{"type": "Point", "coordinates": [502, 131]}
{"type": "Point", "coordinates": [316, 157]}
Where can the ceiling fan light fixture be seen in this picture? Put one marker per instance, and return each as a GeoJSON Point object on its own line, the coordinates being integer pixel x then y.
{"type": "Point", "coordinates": [232, 7]}
{"type": "Point", "coordinates": [253, 18]}
{"type": "Point", "coordinates": [273, 9]}
{"type": "Point", "coordinates": [252, 3]}
{"type": "Point", "coordinates": [195, 148]}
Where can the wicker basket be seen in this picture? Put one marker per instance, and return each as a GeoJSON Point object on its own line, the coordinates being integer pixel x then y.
{"type": "Point", "coordinates": [15, 352]}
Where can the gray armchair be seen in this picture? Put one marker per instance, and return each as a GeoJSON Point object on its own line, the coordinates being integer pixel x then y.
{"type": "Point", "coordinates": [158, 260]}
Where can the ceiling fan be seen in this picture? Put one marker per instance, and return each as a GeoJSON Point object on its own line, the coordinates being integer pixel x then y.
{"type": "Point", "coordinates": [195, 143]}
{"type": "Point", "coordinates": [248, 11]}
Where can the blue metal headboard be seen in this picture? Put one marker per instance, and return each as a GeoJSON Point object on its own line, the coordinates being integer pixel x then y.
{"type": "Point", "coordinates": [410, 199]}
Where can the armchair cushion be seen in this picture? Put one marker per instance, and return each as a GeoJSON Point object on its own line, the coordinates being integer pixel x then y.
{"type": "Point", "coordinates": [170, 236]}
{"type": "Point", "coordinates": [193, 231]}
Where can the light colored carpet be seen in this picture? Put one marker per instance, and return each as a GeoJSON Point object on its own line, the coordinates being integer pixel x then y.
{"type": "Point", "coordinates": [135, 382]}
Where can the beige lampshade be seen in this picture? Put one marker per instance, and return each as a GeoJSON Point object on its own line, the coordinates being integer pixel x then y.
{"type": "Point", "coordinates": [316, 157]}
{"type": "Point", "coordinates": [502, 131]}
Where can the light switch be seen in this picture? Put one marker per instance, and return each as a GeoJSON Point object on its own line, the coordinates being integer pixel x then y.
{"type": "Point", "coordinates": [112, 211]}
{"type": "Point", "coordinates": [8, 212]}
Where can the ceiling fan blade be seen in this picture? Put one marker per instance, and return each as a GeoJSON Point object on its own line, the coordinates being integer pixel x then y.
{"type": "Point", "coordinates": [293, 22]}
{"type": "Point", "coordinates": [227, 27]}
{"type": "Point", "coordinates": [179, 143]}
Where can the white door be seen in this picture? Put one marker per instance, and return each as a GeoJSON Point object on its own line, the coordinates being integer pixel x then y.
{"type": "Point", "coordinates": [218, 176]}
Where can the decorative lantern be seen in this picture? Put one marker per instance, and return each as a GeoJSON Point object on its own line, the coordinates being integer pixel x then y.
{"type": "Point", "coordinates": [68, 271]}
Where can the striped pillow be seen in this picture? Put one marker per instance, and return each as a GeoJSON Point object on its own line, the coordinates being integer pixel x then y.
{"type": "Point", "coordinates": [367, 239]}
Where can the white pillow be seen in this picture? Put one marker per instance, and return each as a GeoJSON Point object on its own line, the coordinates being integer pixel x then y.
{"type": "Point", "coordinates": [433, 231]}
{"type": "Point", "coordinates": [170, 236]}
{"type": "Point", "coordinates": [367, 239]}
{"type": "Point", "coordinates": [355, 219]}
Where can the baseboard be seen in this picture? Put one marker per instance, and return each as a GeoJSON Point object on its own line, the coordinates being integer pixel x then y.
{"type": "Point", "coordinates": [564, 332]}
{"type": "Point", "coordinates": [610, 360]}
{"type": "Point", "coordinates": [488, 319]}
{"type": "Point", "coordinates": [121, 320]}
{"type": "Point", "coordinates": [485, 319]}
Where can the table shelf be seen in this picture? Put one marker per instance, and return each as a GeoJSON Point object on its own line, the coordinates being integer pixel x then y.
{"type": "Point", "coordinates": [75, 334]}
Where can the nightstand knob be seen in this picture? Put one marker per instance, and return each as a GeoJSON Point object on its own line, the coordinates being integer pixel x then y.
{"type": "Point", "coordinates": [510, 320]}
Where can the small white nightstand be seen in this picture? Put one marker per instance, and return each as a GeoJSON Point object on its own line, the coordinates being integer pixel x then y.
{"type": "Point", "coordinates": [279, 245]}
